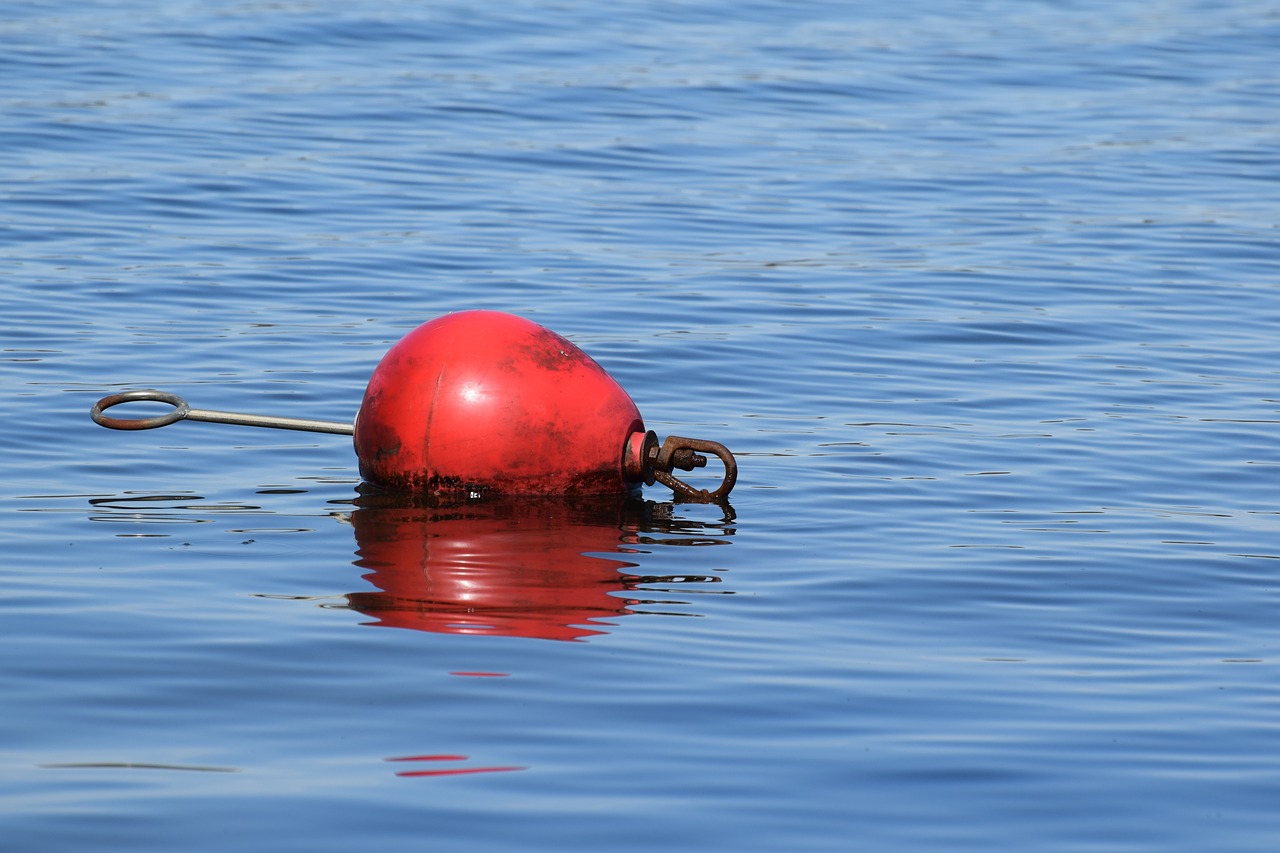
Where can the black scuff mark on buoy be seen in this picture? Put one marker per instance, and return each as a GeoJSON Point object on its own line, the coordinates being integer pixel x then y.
{"type": "Point", "coordinates": [552, 351]}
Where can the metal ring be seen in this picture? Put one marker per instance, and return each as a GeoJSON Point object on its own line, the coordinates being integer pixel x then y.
{"type": "Point", "coordinates": [180, 409]}
{"type": "Point", "coordinates": [665, 460]}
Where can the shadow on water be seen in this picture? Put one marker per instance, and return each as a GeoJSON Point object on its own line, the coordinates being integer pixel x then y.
{"type": "Point", "coordinates": [552, 569]}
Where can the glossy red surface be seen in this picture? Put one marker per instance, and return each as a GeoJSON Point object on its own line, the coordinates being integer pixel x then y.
{"type": "Point", "coordinates": [482, 403]}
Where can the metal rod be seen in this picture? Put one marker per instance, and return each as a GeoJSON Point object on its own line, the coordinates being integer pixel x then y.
{"type": "Point", "coordinates": [270, 422]}
{"type": "Point", "coordinates": [182, 411]}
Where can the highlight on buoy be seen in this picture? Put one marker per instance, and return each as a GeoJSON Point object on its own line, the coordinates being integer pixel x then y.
{"type": "Point", "coordinates": [484, 404]}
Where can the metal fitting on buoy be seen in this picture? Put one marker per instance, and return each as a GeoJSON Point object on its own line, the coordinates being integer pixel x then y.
{"type": "Point", "coordinates": [645, 461]}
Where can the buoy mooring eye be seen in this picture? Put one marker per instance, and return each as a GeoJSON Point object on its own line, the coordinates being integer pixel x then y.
{"type": "Point", "coordinates": [645, 461]}
{"type": "Point", "coordinates": [484, 404]}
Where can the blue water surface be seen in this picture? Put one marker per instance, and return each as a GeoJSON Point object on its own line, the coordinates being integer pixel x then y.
{"type": "Point", "coordinates": [983, 295]}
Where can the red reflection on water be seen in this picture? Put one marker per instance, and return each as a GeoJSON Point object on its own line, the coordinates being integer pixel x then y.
{"type": "Point", "coordinates": [483, 674]}
{"type": "Point", "coordinates": [539, 568]}
{"type": "Point", "coordinates": [510, 568]}
{"type": "Point", "coordinates": [458, 771]}
{"type": "Point", "coordinates": [448, 771]}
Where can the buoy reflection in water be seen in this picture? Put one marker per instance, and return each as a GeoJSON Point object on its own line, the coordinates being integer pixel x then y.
{"type": "Point", "coordinates": [519, 568]}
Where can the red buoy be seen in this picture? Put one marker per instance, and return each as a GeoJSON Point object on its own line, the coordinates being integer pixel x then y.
{"type": "Point", "coordinates": [482, 403]}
